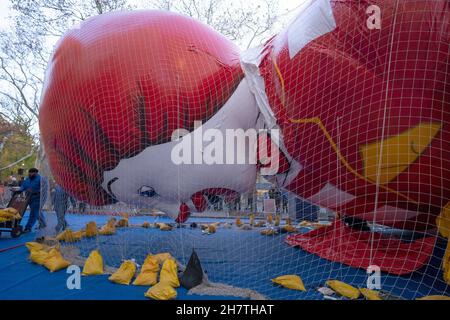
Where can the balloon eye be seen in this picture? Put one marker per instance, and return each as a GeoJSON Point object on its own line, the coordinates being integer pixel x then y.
{"type": "Point", "coordinates": [146, 191]}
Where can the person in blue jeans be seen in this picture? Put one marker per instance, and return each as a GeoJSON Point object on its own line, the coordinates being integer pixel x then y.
{"type": "Point", "coordinates": [60, 201]}
{"type": "Point", "coordinates": [32, 186]}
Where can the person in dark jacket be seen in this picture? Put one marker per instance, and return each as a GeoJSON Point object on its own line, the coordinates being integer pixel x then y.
{"type": "Point", "coordinates": [60, 201]}
{"type": "Point", "coordinates": [32, 186]}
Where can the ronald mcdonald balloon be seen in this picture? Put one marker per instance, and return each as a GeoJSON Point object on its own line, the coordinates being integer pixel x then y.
{"type": "Point", "coordinates": [361, 103]}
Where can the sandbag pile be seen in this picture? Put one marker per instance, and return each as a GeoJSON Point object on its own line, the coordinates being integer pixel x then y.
{"type": "Point", "coordinates": [49, 257]}
{"type": "Point", "coordinates": [168, 281]}
{"type": "Point", "coordinates": [148, 275]}
{"type": "Point", "coordinates": [9, 214]}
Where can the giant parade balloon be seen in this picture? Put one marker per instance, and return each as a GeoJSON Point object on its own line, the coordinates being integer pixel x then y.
{"type": "Point", "coordinates": [361, 93]}
{"type": "Point", "coordinates": [355, 96]}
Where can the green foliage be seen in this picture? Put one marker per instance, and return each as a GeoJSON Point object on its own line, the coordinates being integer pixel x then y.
{"type": "Point", "coordinates": [17, 143]}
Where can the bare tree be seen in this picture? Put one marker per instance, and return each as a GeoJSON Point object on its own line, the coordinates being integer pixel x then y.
{"type": "Point", "coordinates": [245, 22]}
{"type": "Point", "coordinates": [36, 26]}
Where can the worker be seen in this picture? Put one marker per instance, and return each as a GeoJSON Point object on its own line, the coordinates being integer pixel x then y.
{"type": "Point", "coordinates": [60, 201]}
{"type": "Point", "coordinates": [32, 186]}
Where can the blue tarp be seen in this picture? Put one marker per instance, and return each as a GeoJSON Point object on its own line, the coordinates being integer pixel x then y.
{"type": "Point", "coordinates": [236, 257]}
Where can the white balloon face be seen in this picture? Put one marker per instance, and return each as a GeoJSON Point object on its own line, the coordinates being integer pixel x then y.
{"type": "Point", "coordinates": [153, 179]}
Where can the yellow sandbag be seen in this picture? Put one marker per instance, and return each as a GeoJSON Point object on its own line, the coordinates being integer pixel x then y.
{"type": "Point", "coordinates": [434, 297]}
{"type": "Point", "coordinates": [288, 221]}
{"type": "Point", "coordinates": [370, 294]}
{"type": "Point", "coordinates": [146, 225]}
{"type": "Point", "coordinates": [69, 236]}
{"type": "Point", "coordinates": [290, 281]}
{"type": "Point", "coordinates": [169, 273]}
{"type": "Point", "coordinates": [304, 223]}
{"type": "Point", "coordinates": [164, 227]}
{"type": "Point", "coordinates": [211, 228]}
{"type": "Point", "coordinates": [268, 232]}
{"type": "Point", "coordinates": [289, 228]}
{"type": "Point", "coordinates": [93, 265]}
{"type": "Point", "coordinates": [343, 289]}
{"type": "Point", "coordinates": [149, 272]}
{"type": "Point", "coordinates": [161, 257]}
{"type": "Point", "coordinates": [10, 210]}
{"type": "Point", "coordinates": [151, 264]}
{"type": "Point", "coordinates": [77, 235]}
{"type": "Point", "coordinates": [31, 246]}
{"type": "Point", "coordinates": [238, 222]}
{"type": "Point", "coordinates": [277, 220]}
{"type": "Point", "coordinates": [108, 229]}
{"type": "Point", "coordinates": [9, 214]}
{"type": "Point", "coordinates": [251, 219]}
{"type": "Point", "coordinates": [161, 291]}
{"type": "Point", "coordinates": [124, 274]}
{"type": "Point", "coordinates": [259, 224]}
{"type": "Point", "coordinates": [269, 219]}
{"type": "Point", "coordinates": [55, 261]}
{"type": "Point", "coordinates": [91, 229]}
{"type": "Point", "coordinates": [146, 278]}
{"type": "Point", "coordinates": [38, 256]}
{"type": "Point", "coordinates": [122, 223]}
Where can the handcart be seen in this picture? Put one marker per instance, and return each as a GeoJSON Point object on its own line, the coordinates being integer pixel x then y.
{"type": "Point", "coordinates": [18, 201]}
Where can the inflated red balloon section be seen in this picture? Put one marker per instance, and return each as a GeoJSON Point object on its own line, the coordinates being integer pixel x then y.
{"type": "Point", "coordinates": [364, 111]}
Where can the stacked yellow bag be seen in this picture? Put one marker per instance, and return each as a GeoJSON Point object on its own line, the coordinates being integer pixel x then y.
{"type": "Point", "coordinates": [124, 274]}
{"type": "Point", "coordinates": [149, 272]}
{"type": "Point", "coordinates": [9, 214]}
{"type": "Point", "coordinates": [169, 273]}
{"type": "Point", "coordinates": [290, 281]}
{"type": "Point", "coordinates": [109, 228]}
{"type": "Point", "coordinates": [161, 257]}
{"type": "Point", "coordinates": [32, 246]}
{"type": "Point", "coordinates": [55, 261]}
{"type": "Point", "coordinates": [38, 256]}
{"type": "Point", "coordinates": [168, 280]}
{"type": "Point", "coordinates": [161, 291]}
{"type": "Point", "coordinates": [239, 222]}
{"type": "Point", "coordinates": [93, 265]}
{"type": "Point", "coordinates": [269, 219]}
{"type": "Point", "coordinates": [91, 229]}
{"type": "Point", "coordinates": [69, 236]}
